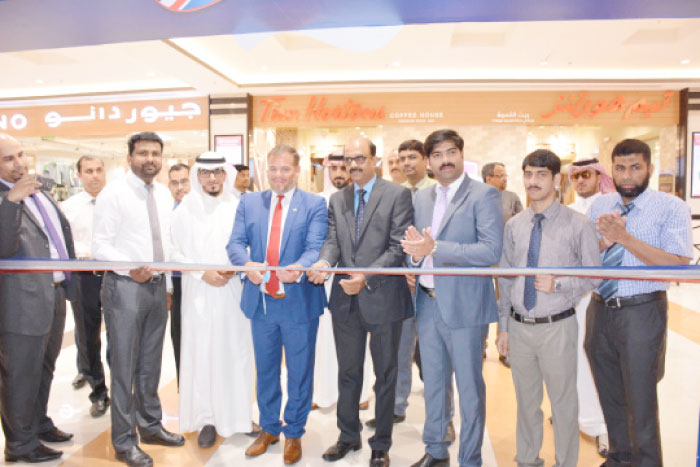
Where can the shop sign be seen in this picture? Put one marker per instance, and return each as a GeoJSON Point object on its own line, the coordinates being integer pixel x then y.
{"type": "Point", "coordinates": [105, 118]}
{"type": "Point", "coordinates": [581, 105]}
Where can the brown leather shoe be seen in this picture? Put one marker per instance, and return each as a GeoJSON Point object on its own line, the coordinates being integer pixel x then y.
{"type": "Point", "coordinates": [292, 450]}
{"type": "Point", "coordinates": [261, 443]}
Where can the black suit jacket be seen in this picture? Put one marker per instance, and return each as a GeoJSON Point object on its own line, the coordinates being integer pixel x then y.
{"type": "Point", "coordinates": [27, 300]}
{"type": "Point", "coordinates": [388, 214]}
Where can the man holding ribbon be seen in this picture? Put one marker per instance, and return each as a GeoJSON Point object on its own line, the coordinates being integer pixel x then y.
{"type": "Point", "coordinates": [282, 226]}
{"type": "Point", "coordinates": [32, 308]}
{"type": "Point", "coordinates": [626, 326]}
{"type": "Point", "coordinates": [132, 223]}
{"type": "Point", "coordinates": [367, 220]}
{"type": "Point", "coordinates": [536, 327]}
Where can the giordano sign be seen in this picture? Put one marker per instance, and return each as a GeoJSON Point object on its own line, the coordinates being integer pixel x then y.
{"type": "Point", "coordinates": [469, 108]}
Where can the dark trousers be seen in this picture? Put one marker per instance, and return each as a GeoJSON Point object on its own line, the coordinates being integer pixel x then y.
{"type": "Point", "coordinates": [273, 331]}
{"type": "Point", "coordinates": [136, 315]}
{"type": "Point", "coordinates": [87, 312]}
{"type": "Point", "coordinates": [626, 348]}
{"type": "Point", "coordinates": [350, 343]}
{"type": "Point", "coordinates": [175, 318]}
{"type": "Point", "coordinates": [27, 364]}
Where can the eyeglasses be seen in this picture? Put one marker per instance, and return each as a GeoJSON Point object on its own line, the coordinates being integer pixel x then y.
{"type": "Point", "coordinates": [361, 159]}
{"type": "Point", "coordinates": [216, 172]}
{"type": "Point", "coordinates": [586, 174]}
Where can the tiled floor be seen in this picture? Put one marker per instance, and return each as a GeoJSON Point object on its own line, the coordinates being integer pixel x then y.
{"type": "Point", "coordinates": [679, 405]}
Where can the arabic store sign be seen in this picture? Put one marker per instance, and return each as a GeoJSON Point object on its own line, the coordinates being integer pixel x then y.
{"type": "Point", "coordinates": [106, 118]}
{"type": "Point", "coordinates": [468, 108]}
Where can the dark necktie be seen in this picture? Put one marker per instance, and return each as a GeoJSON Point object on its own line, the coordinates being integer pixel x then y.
{"type": "Point", "coordinates": [360, 215]}
{"type": "Point", "coordinates": [533, 257]}
{"type": "Point", "coordinates": [273, 247]}
{"type": "Point", "coordinates": [612, 259]}
{"type": "Point", "coordinates": [51, 229]}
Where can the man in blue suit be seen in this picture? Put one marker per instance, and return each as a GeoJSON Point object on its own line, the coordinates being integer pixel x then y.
{"type": "Point", "coordinates": [458, 223]}
{"type": "Point", "coordinates": [282, 226]}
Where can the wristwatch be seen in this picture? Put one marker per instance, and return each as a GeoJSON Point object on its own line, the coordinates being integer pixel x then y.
{"type": "Point", "coordinates": [557, 286]}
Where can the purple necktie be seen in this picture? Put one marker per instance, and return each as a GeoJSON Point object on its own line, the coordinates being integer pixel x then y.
{"type": "Point", "coordinates": [438, 214]}
{"type": "Point", "coordinates": [51, 229]}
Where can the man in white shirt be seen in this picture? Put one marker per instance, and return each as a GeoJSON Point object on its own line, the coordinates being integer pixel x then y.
{"type": "Point", "coordinates": [132, 223]}
{"type": "Point", "coordinates": [87, 308]}
{"type": "Point", "coordinates": [590, 181]}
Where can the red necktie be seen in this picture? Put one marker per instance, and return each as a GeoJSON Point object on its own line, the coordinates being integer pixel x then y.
{"type": "Point", "coordinates": [273, 247]}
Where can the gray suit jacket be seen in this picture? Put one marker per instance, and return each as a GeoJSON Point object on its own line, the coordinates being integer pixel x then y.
{"type": "Point", "coordinates": [388, 214]}
{"type": "Point", "coordinates": [27, 300]}
{"type": "Point", "coordinates": [471, 234]}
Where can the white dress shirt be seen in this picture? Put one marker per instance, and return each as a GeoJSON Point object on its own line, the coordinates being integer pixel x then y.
{"type": "Point", "coordinates": [582, 205]}
{"type": "Point", "coordinates": [121, 227]}
{"type": "Point", "coordinates": [286, 201]}
{"type": "Point", "coordinates": [80, 209]}
{"type": "Point", "coordinates": [50, 209]}
{"type": "Point", "coordinates": [451, 192]}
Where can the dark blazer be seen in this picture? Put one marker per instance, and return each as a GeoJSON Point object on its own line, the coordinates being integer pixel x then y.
{"type": "Point", "coordinates": [388, 214]}
{"type": "Point", "coordinates": [27, 300]}
{"type": "Point", "coordinates": [304, 232]}
{"type": "Point", "coordinates": [470, 235]}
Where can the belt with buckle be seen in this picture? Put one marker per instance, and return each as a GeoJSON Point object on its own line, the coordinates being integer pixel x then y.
{"type": "Point", "coordinates": [619, 302]}
{"type": "Point", "coordinates": [543, 320]}
{"type": "Point", "coordinates": [430, 292]}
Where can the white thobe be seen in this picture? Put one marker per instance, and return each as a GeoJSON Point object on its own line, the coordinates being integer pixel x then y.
{"type": "Point", "coordinates": [590, 414]}
{"type": "Point", "coordinates": [326, 369]}
{"type": "Point", "coordinates": [216, 357]}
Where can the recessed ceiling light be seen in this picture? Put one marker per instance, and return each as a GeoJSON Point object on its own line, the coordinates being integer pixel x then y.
{"type": "Point", "coordinates": [685, 61]}
{"type": "Point", "coordinates": [39, 81]}
{"type": "Point", "coordinates": [396, 63]}
{"type": "Point", "coordinates": [264, 68]}
{"type": "Point", "coordinates": [544, 63]}
{"type": "Point", "coordinates": [151, 74]}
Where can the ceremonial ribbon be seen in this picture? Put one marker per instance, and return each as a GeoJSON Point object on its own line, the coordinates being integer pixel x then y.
{"type": "Point", "coordinates": [687, 273]}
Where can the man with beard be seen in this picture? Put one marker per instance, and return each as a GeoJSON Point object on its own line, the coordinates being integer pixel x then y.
{"type": "Point", "coordinates": [32, 308]}
{"type": "Point", "coordinates": [535, 327]}
{"type": "Point", "coordinates": [326, 368]}
{"type": "Point", "coordinates": [216, 393]}
{"type": "Point", "coordinates": [366, 223]}
{"type": "Point", "coordinates": [626, 326]}
{"type": "Point", "coordinates": [132, 223]}
{"type": "Point", "coordinates": [590, 181]}
{"type": "Point", "coordinates": [179, 185]}
{"type": "Point", "coordinates": [87, 308]}
{"type": "Point", "coordinates": [394, 165]}
{"type": "Point", "coordinates": [282, 226]}
{"type": "Point", "coordinates": [458, 223]}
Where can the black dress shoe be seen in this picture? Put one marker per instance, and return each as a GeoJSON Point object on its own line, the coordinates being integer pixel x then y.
{"type": "Point", "coordinates": [135, 457]}
{"type": "Point", "coordinates": [372, 422]}
{"type": "Point", "coordinates": [55, 436]}
{"type": "Point", "coordinates": [255, 430]}
{"type": "Point", "coordinates": [429, 461]}
{"type": "Point", "coordinates": [98, 408]}
{"type": "Point", "coordinates": [338, 450]}
{"type": "Point", "coordinates": [451, 435]}
{"type": "Point", "coordinates": [207, 436]}
{"type": "Point", "coordinates": [164, 438]}
{"type": "Point", "coordinates": [79, 381]}
{"type": "Point", "coordinates": [40, 454]}
{"type": "Point", "coordinates": [379, 459]}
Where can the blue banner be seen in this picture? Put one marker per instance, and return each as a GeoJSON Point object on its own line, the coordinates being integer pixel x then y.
{"type": "Point", "coordinates": [40, 24]}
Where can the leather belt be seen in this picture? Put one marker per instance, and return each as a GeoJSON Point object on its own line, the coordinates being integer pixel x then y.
{"type": "Point", "coordinates": [543, 320]}
{"type": "Point", "coordinates": [619, 302]}
{"type": "Point", "coordinates": [430, 292]}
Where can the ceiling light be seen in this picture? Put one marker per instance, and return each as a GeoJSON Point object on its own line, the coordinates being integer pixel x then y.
{"type": "Point", "coordinates": [151, 74]}
{"type": "Point", "coordinates": [685, 61]}
{"type": "Point", "coordinates": [264, 68]}
{"type": "Point", "coordinates": [39, 81]}
{"type": "Point", "coordinates": [544, 63]}
{"type": "Point", "coordinates": [396, 63]}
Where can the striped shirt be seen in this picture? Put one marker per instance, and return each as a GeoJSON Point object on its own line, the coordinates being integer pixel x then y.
{"type": "Point", "coordinates": [658, 219]}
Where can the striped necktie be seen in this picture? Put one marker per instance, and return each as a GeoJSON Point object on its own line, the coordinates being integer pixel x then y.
{"type": "Point", "coordinates": [612, 259]}
{"type": "Point", "coordinates": [360, 215]}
